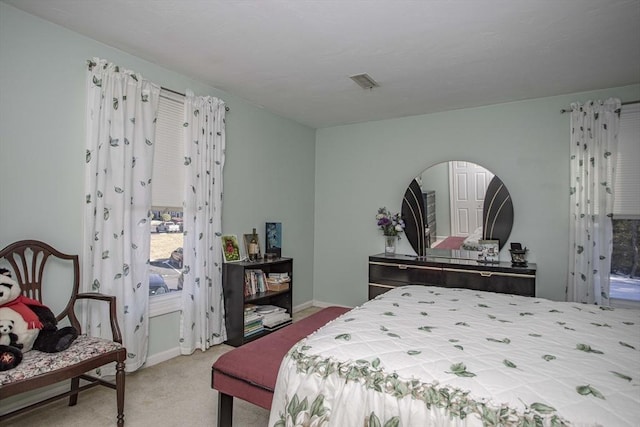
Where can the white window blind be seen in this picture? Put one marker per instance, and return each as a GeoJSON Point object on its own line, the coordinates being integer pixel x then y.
{"type": "Point", "coordinates": [168, 163]}
{"type": "Point", "coordinates": [627, 186]}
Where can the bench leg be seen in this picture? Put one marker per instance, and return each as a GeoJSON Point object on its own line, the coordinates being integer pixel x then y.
{"type": "Point", "coordinates": [225, 410]}
{"type": "Point", "coordinates": [120, 392]}
{"type": "Point", "coordinates": [75, 383]}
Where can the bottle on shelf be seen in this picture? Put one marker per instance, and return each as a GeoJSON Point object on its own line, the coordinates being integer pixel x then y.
{"type": "Point", "coordinates": [254, 249]}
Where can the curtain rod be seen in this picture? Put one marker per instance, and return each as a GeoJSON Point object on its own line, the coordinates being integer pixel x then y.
{"type": "Point", "coordinates": [564, 110]}
{"type": "Point", "coordinates": [226, 108]}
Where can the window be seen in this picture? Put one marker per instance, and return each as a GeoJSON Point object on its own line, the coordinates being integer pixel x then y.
{"type": "Point", "coordinates": [625, 268]}
{"type": "Point", "coordinates": [165, 276]}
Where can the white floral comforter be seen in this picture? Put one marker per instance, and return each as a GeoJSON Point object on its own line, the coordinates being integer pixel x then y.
{"type": "Point", "coordinates": [472, 242]}
{"type": "Point", "coordinates": [419, 356]}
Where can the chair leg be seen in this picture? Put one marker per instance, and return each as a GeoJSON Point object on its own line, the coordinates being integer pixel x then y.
{"type": "Point", "coordinates": [75, 383]}
{"type": "Point", "coordinates": [120, 392]}
{"type": "Point", "coordinates": [225, 410]}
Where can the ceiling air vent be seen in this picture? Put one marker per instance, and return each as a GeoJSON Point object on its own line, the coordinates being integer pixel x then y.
{"type": "Point", "coordinates": [364, 81]}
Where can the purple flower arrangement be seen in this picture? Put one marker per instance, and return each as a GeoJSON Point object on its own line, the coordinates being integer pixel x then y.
{"type": "Point", "coordinates": [390, 224]}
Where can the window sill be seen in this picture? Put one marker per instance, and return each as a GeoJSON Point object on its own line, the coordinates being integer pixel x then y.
{"type": "Point", "coordinates": [164, 304]}
{"type": "Point", "coordinates": [625, 303]}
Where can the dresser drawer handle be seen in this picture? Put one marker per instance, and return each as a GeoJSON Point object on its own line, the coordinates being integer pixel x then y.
{"type": "Point", "coordinates": [402, 267]}
{"type": "Point", "coordinates": [485, 273]}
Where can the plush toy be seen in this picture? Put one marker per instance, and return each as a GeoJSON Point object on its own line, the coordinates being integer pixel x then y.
{"type": "Point", "coordinates": [10, 354]}
{"type": "Point", "coordinates": [33, 324]}
{"type": "Point", "coordinates": [7, 337]}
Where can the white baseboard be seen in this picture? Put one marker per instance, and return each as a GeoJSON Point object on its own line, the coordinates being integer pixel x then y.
{"type": "Point", "coordinates": [302, 306]}
{"type": "Point", "coordinates": [316, 303]}
{"type": "Point", "coordinates": [323, 304]}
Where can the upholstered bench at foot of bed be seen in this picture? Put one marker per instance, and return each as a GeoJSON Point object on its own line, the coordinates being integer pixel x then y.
{"type": "Point", "coordinates": [249, 372]}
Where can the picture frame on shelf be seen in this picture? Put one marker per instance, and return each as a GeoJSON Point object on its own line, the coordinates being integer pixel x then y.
{"type": "Point", "coordinates": [273, 238]}
{"type": "Point", "coordinates": [518, 255]}
{"type": "Point", "coordinates": [247, 241]}
{"type": "Point", "coordinates": [489, 251]}
{"type": "Point", "coordinates": [230, 248]}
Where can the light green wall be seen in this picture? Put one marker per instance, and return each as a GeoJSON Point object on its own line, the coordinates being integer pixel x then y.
{"type": "Point", "coordinates": [363, 166]}
{"type": "Point", "coordinates": [272, 168]}
{"type": "Point", "coordinates": [268, 175]}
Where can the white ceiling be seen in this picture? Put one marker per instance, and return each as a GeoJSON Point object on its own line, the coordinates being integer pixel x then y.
{"type": "Point", "coordinates": [294, 57]}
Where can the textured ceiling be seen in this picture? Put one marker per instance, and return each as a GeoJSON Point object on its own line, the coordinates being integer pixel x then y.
{"type": "Point", "coordinates": [295, 57]}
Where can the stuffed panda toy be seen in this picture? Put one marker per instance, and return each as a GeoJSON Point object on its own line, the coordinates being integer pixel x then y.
{"type": "Point", "coordinates": [7, 337]}
{"type": "Point", "coordinates": [31, 324]}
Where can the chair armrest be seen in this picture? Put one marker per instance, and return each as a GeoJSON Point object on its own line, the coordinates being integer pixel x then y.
{"type": "Point", "coordinates": [115, 328]}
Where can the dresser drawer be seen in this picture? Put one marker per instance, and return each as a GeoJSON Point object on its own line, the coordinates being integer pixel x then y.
{"type": "Point", "coordinates": [506, 283]}
{"type": "Point", "coordinates": [403, 274]}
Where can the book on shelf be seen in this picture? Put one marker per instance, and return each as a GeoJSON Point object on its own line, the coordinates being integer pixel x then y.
{"type": "Point", "coordinates": [278, 281]}
{"type": "Point", "coordinates": [251, 317]}
{"type": "Point", "coordinates": [248, 333]}
{"type": "Point", "coordinates": [249, 322]}
{"type": "Point", "coordinates": [266, 309]}
{"type": "Point", "coordinates": [278, 326]}
{"type": "Point", "coordinates": [273, 316]}
{"type": "Point", "coordinates": [252, 320]}
{"type": "Point", "coordinates": [255, 281]}
{"type": "Point", "coordinates": [279, 277]}
{"type": "Point", "coordinates": [260, 317]}
{"type": "Point", "coordinates": [276, 321]}
{"type": "Point", "coordinates": [253, 325]}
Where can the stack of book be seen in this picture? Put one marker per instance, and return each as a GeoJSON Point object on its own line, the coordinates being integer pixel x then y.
{"type": "Point", "coordinates": [255, 281]}
{"type": "Point", "coordinates": [278, 281]}
{"type": "Point", "coordinates": [252, 320]}
{"type": "Point", "coordinates": [273, 317]}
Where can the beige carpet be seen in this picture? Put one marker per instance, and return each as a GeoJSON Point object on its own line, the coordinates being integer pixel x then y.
{"type": "Point", "coordinates": [174, 393]}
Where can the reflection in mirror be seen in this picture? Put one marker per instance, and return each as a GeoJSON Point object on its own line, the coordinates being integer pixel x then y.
{"type": "Point", "coordinates": [453, 205]}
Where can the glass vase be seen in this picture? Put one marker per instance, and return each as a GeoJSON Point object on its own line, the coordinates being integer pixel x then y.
{"type": "Point", "coordinates": [390, 245]}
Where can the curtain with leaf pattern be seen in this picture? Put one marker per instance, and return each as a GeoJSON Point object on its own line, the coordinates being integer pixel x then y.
{"type": "Point", "coordinates": [202, 317]}
{"type": "Point", "coordinates": [594, 147]}
{"type": "Point", "coordinates": [121, 116]}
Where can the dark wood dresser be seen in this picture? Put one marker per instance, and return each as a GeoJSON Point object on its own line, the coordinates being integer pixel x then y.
{"type": "Point", "coordinates": [388, 272]}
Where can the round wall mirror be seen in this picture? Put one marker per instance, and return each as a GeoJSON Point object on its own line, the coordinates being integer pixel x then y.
{"type": "Point", "coordinates": [453, 205]}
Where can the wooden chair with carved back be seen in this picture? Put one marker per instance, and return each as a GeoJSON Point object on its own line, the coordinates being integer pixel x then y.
{"type": "Point", "coordinates": [27, 260]}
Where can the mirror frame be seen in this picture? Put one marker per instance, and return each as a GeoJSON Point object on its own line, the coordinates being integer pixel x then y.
{"type": "Point", "coordinates": [497, 215]}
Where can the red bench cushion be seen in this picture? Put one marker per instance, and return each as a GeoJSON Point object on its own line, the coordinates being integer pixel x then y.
{"type": "Point", "coordinates": [249, 372]}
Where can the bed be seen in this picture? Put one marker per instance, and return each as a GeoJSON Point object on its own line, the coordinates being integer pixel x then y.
{"type": "Point", "coordinates": [472, 241]}
{"type": "Point", "coordinates": [423, 355]}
